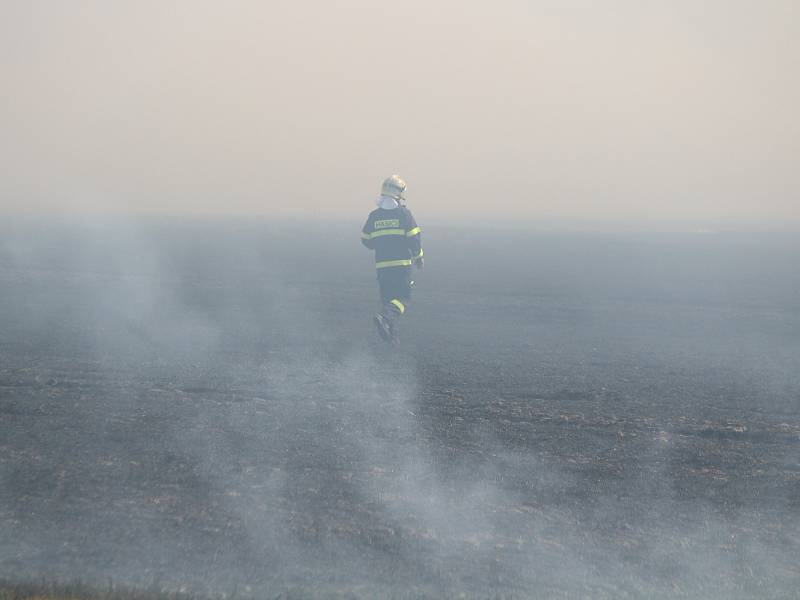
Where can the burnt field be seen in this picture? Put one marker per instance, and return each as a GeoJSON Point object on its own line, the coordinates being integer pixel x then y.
{"type": "Point", "coordinates": [205, 407]}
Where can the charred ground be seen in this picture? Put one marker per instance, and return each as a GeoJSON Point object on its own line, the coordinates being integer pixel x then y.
{"type": "Point", "coordinates": [203, 407]}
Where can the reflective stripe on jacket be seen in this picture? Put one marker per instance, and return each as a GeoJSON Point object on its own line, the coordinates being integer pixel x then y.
{"type": "Point", "coordinates": [394, 235]}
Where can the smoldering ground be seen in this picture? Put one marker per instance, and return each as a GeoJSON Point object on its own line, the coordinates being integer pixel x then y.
{"type": "Point", "coordinates": [203, 405]}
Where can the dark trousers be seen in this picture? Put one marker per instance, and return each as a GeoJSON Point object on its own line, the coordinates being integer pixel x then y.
{"type": "Point", "coordinates": [395, 289]}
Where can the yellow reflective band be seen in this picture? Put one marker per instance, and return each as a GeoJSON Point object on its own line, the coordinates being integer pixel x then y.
{"type": "Point", "coordinates": [393, 263]}
{"type": "Point", "coordinates": [400, 306]}
{"type": "Point", "coordinates": [382, 232]}
{"type": "Point", "coordinates": [365, 236]}
{"type": "Point", "coordinates": [420, 255]}
{"type": "Point", "coordinates": [413, 232]}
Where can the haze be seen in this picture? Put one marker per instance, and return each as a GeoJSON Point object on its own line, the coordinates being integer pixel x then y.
{"type": "Point", "coordinates": [617, 110]}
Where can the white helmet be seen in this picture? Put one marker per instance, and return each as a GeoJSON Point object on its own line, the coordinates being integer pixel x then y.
{"type": "Point", "coordinates": [393, 187]}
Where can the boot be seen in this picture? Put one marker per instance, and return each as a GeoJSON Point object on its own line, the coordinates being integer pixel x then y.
{"type": "Point", "coordinates": [391, 315]}
{"type": "Point", "coordinates": [384, 327]}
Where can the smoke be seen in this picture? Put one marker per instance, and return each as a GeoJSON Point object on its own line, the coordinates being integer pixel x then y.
{"type": "Point", "coordinates": [203, 406]}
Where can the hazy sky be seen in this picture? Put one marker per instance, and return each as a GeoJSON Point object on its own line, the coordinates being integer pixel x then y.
{"type": "Point", "coordinates": [618, 109]}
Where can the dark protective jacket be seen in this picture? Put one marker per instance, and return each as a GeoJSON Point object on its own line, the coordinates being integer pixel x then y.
{"type": "Point", "coordinates": [394, 235]}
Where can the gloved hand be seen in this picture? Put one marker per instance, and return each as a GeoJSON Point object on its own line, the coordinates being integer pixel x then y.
{"type": "Point", "coordinates": [420, 263]}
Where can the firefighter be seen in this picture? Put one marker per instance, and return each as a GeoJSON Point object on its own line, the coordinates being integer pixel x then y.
{"type": "Point", "coordinates": [391, 231]}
